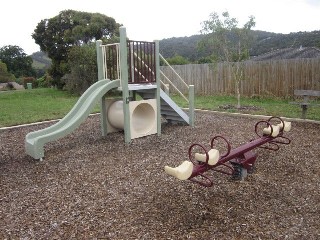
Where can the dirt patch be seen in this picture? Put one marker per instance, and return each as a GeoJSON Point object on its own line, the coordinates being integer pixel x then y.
{"type": "Point", "coordinates": [11, 86]}
{"type": "Point", "coordinates": [243, 109]}
{"type": "Point", "coordinates": [91, 187]}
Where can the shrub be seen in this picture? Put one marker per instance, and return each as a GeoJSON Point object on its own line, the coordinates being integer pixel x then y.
{"type": "Point", "coordinates": [83, 69]}
{"type": "Point", "coordinates": [44, 82]}
{"type": "Point", "coordinates": [28, 80]}
{"type": "Point", "coordinates": [5, 76]}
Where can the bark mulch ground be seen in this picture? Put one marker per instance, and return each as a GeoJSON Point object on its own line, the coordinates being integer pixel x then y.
{"type": "Point", "coordinates": [94, 187]}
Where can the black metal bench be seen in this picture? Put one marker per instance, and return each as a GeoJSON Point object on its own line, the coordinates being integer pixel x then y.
{"type": "Point", "coordinates": [304, 103]}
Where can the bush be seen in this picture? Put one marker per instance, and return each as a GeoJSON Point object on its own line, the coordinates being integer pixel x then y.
{"type": "Point", "coordinates": [28, 80]}
{"type": "Point", "coordinates": [83, 69]}
{"type": "Point", "coordinates": [5, 76]}
{"type": "Point", "coordinates": [177, 60]}
{"type": "Point", "coordinates": [44, 82]}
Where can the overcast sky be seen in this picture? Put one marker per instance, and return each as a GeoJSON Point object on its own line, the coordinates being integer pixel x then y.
{"type": "Point", "coordinates": [148, 20]}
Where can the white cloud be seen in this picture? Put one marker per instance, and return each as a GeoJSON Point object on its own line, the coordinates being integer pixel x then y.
{"type": "Point", "coordinates": [313, 2]}
{"type": "Point", "coordinates": [149, 20]}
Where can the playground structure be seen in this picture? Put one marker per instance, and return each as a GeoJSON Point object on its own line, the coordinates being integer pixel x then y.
{"type": "Point", "coordinates": [133, 68]}
{"type": "Point", "coordinates": [236, 162]}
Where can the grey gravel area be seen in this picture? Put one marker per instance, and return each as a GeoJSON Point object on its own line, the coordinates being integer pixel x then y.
{"type": "Point", "coordinates": [94, 187]}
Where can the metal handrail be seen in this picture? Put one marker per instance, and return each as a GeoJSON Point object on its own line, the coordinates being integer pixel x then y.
{"type": "Point", "coordinates": [180, 93]}
{"type": "Point", "coordinates": [149, 69]}
{"type": "Point", "coordinates": [170, 82]}
{"type": "Point", "coordinates": [183, 82]}
{"type": "Point", "coordinates": [190, 99]}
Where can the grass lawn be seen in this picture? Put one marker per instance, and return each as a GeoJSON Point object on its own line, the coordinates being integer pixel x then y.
{"type": "Point", "coordinates": [259, 106]}
{"type": "Point", "coordinates": [27, 106]}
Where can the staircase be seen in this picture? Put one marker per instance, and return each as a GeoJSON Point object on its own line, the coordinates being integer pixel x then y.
{"type": "Point", "coordinates": [170, 111]}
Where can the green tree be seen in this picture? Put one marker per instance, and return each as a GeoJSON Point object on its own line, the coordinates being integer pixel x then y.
{"type": "Point", "coordinates": [83, 69]}
{"type": "Point", "coordinates": [177, 60]}
{"type": "Point", "coordinates": [228, 43]}
{"type": "Point", "coordinates": [5, 76]}
{"type": "Point", "coordinates": [57, 35]}
{"type": "Point", "coordinates": [18, 63]}
{"type": "Point", "coordinates": [208, 59]}
{"type": "Point", "coordinates": [82, 62]}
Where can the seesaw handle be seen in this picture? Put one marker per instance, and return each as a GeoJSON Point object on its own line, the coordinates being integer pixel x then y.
{"type": "Point", "coordinates": [227, 143]}
{"type": "Point", "coordinates": [190, 152]}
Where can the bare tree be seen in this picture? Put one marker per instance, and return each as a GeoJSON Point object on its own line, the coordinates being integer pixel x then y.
{"type": "Point", "coordinates": [228, 43]}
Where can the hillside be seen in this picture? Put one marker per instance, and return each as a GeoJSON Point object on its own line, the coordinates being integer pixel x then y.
{"type": "Point", "coordinates": [264, 42]}
{"type": "Point", "coordinates": [40, 60]}
{"type": "Point", "coordinates": [289, 53]}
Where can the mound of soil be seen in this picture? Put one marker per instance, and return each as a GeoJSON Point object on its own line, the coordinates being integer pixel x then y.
{"type": "Point", "coordinates": [241, 109]}
{"type": "Point", "coordinates": [10, 86]}
{"type": "Point", "coordinates": [93, 187]}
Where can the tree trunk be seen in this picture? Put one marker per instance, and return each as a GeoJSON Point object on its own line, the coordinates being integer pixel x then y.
{"type": "Point", "coordinates": [238, 94]}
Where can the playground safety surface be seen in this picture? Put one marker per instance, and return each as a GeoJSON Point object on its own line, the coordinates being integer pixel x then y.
{"type": "Point", "coordinates": [93, 187]}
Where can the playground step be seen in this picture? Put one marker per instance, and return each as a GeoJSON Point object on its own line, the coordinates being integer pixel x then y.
{"type": "Point", "coordinates": [166, 107]}
{"type": "Point", "coordinates": [169, 109]}
{"type": "Point", "coordinates": [165, 110]}
{"type": "Point", "coordinates": [172, 119]}
{"type": "Point", "coordinates": [166, 100]}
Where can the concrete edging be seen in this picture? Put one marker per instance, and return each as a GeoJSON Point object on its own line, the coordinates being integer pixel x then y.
{"type": "Point", "coordinates": [199, 110]}
{"type": "Point", "coordinates": [36, 123]}
{"type": "Point", "coordinates": [260, 116]}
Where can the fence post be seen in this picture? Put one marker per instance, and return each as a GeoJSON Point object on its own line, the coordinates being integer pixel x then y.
{"type": "Point", "coordinates": [191, 105]}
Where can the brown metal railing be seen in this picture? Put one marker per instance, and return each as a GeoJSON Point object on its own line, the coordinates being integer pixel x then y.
{"type": "Point", "coordinates": [141, 62]}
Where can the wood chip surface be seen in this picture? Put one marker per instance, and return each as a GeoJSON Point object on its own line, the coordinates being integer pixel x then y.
{"type": "Point", "coordinates": [94, 187]}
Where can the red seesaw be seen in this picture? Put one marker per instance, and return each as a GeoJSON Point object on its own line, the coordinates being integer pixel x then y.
{"type": "Point", "coordinates": [237, 162]}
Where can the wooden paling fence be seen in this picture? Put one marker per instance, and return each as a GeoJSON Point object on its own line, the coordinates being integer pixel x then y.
{"type": "Point", "coordinates": [264, 78]}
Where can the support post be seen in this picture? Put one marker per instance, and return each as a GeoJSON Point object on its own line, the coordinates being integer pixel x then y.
{"type": "Point", "coordinates": [191, 105]}
{"type": "Point", "coordinates": [124, 83]}
{"type": "Point", "coordinates": [99, 59]}
{"type": "Point", "coordinates": [103, 108]}
{"type": "Point", "coordinates": [157, 62]}
{"type": "Point", "coordinates": [304, 108]}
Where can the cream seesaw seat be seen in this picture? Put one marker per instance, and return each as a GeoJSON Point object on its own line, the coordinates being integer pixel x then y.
{"type": "Point", "coordinates": [277, 128]}
{"type": "Point", "coordinates": [184, 170]}
{"type": "Point", "coordinates": [275, 132]}
{"type": "Point", "coordinates": [287, 126]}
{"type": "Point", "coordinates": [213, 157]}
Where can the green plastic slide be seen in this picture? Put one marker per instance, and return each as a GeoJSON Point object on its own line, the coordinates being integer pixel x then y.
{"type": "Point", "coordinates": [35, 141]}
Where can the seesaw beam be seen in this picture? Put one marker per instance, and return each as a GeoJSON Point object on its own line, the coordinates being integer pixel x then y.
{"type": "Point", "coordinates": [242, 158]}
